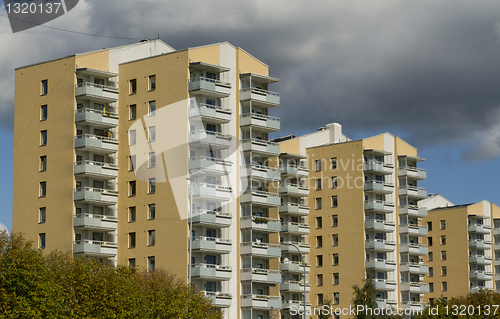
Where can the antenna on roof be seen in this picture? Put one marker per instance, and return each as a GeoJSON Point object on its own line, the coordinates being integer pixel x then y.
{"type": "Point", "coordinates": [158, 35]}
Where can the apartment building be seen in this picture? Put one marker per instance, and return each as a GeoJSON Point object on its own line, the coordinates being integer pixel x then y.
{"type": "Point", "coordinates": [462, 257]}
{"type": "Point", "coordinates": [106, 141]}
{"type": "Point", "coordinates": [364, 217]}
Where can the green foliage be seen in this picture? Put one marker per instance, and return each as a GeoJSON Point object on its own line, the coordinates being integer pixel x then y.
{"type": "Point", "coordinates": [366, 296]}
{"type": "Point", "coordinates": [325, 314]}
{"type": "Point", "coordinates": [59, 285]}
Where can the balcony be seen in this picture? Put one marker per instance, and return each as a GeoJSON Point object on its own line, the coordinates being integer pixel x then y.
{"type": "Point", "coordinates": [96, 92]}
{"type": "Point", "coordinates": [211, 218]}
{"type": "Point", "coordinates": [479, 244]}
{"type": "Point", "coordinates": [211, 272]}
{"type": "Point", "coordinates": [294, 170]}
{"type": "Point", "coordinates": [379, 167]}
{"type": "Point", "coordinates": [296, 305]}
{"type": "Point", "coordinates": [212, 165]}
{"type": "Point", "coordinates": [413, 192]}
{"type": "Point", "coordinates": [415, 287]}
{"type": "Point", "coordinates": [496, 231]}
{"type": "Point", "coordinates": [303, 247]}
{"type": "Point", "coordinates": [263, 250]}
{"type": "Point", "coordinates": [209, 87]}
{"type": "Point", "coordinates": [211, 192]}
{"type": "Point", "coordinates": [219, 299]}
{"type": "Point", "coordinates": [261, 172]}
{"type": "Point", "coordinates": [261, 224]}
{"type": "Point", "coordinates": [294, 190]}
{"type": "Point", "coordinates": [92, 195]}
{"type": "Point", "coordinates": [96, 144]}
{"type": "Point", "coordinates": [481, 229]}
{"type": "Point", "coordinates": [295, 286]}
{"type": "Point", "coordinates": [98, 222]}
{"type": "Point", "coordinates": [96, 118]}
{"type": "Point", "coordinates": [414, 306]}
{"type": "Point", "coordinates": [379, 206]}
{"type": "Point", "coordinates": [260, 122]}
{"type": "Point", "coordinates": [412, 172]}
{"type": "Point", "coordinates": [414, 249]}
{"type": "Point", "coordinates": [295, 209]}
{"type": "Point", "coordinates": [414, 230]}
{"type": "Point", "coordinates": [379, 187]}
{"type": "Point", "coordinates": [295, 228]}
{"type": "Point", "coordinates": [386, 303]}
{"type": "Point", "coordinates": [480, 260]}
{"type": "Point", "coordinates": [261, 302]}
{"type": "Point", "coordinates": [413, 211]}
{"type": "Point", "coordinates": [261, 275]}
{"type": "Point", "coordinates": [384, 284]}
{"type": "Point", "coordinates": [213, 139]}
{"type": "Point", "coordinates": [294, 267]}
{"type": "Point", "coordinates": [414, 268]}
{"type": "Point", "coordinates": [378, 225]}
{"type": "Point", "coordinates": [210, 113]}
{"type": "Point", "coordinates": [381, 264]}
{"type": "Point", "coordinates": [260, 198]}
{"type": "Point", "coordinates": [262, 97]}
{"type": "Point", "coordinates": [380, 245]}
{"type": "Point", "coordinates": [95, 248]}
{"type": "Point", "coordinates": [260, 146]}
{"type": "Point", "coordinates": [97, 169]}
{"type": "Point", "coordinates": [211, 245]}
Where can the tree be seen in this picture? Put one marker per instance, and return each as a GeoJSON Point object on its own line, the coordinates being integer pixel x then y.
{"type": "Point", "coordinates": [366, 297]}
{"type": "Point", "coordinates": [324, 314]}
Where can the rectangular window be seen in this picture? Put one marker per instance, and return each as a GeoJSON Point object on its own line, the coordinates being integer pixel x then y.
{"type": "Point", "coordinates": [131, 240]}
{"type": "Point", "coordinates": [335, 279]}
{"type": "Point", "coordinates": [41, 241]}
{"type": "Point", "coordinates": [131, 214]}
{"type": "Point", "coordinates": [430, 256]}
{"type": "Point", "coordinates": [318, 165]}
{"type": "Point", "coordinates": [131, 262]}
{"type": "Point", "coordinates": [445, 286]}
{"type": "Point", "coordinates": [443, 240]}
{"type": "Point", "coordinates": [319, 280]}
{"type": "Point", "coordinates": [334, 201]}
{"type": "Point", "coordinates": [152, 108]}
{"type": "Point", "coordinates": [43, 163]}
{"type": "Point", "coordinates": [319, 261]}
{"type": "Point", "coordinates": [319, 241]}
{"type": "Point", "coordinates": [152, 160]}
{"type": "Point", "coordinates": [444, 271]}
{"type": "Point", "coordinates": [443, 224]}
{"type": "Point", "coordinates": [429, 241]}
{"type": "Point", "coordinates": [152, 185]}
{"type": "Point", "coordinates": [333, 161]}
{"type": "Point", "coordinates": [429, 226]}
{"type": "Point", "coordinates": [133, 86]}
{"type": "Point", "coordinates": [335, 220]}
{"type": "Point", "coordinates": [131, 188]}
{"type": "Point", "coordinates": [319, 222]}
{"type": "Point", "coordinates": [335, 240]}
{"type": "Point", "coordinates": [151, 263]}
{"type": "Point", "coordinates": [443, 255]}
{"type": "Point", "coordinates": [131, 137]}
{"type": "Point", "coordinates": [318, 203]}
{"type": "Point", "coordinates": [152, 82]}
{"type": "Point", "coordinates": [152, 134]}
{"type": "Point", "coordinates": [335, 259]}
{"type": "Point", "coordinates": [334, 182]}
{"type": "Point", "coordinates": [42, 214]}
{"type": "Point", "coordinates": [43, 189]}
{"type": "Point", "coordinates": [431, 287]}
{"type": "Point", "coordinates": [318, 184]}
{"type": "Point", "coordinates": [43, 138]}
{"type": "Point", "coordinates": [320, 299]}
{"type": "Point", "coordinates": [45, 87]}
{"type": "Point", "coordinates": [151, 237]}
{"type": "Point", "coordinates": [431, 271]}
{"type": "Point", "coordinates": [336, 298]}
{"type": "Point", "coordinates": [151, 211]}
{"type": "Point", "coordinates": [131, 163]}
{"type": "Point", "coordinates": [132, 115]}
{"type": "Point", "coordinates": [43, 112]}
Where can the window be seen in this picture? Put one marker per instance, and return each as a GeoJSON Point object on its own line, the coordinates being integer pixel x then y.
{"type": "Point", "coordinates": [430, 256]}
{"type": "Point", "coordinates": [151, 211]}
{"type": "Point", "coordinates": [152, 134]}
{"type": "Point", "coordinates": [319, 261]}
{"type": "Point", "coordinates": [320, 299]}
{"type": "Point", "coordinates": [151, 263]}
{"type": "Point", "coordinates": [335, 259]}
{"type": "Point", "coordinates": [131, 188]}
{"type": "Point", "coordinates": [318, 184]}
{"type": "Point", "coordinates": [151, 237]}
{"type": "Point", "coordinates": [131, 240]}
{"type": "Point", "coordinates": [319, 241]}
{"type": "Point", "coordinates": [443, 255]}
{"type": "Point", "coordinates": [152, 108]}
{"type": "Point", "coordinates": [43, 163]}
{"type": "Point", "coordinates": [132, 114]}
{"type": "Point", "coordinates": [319, 280]}
{"type": "Point", "coordinates": [336, 299]}
{"type": "Point", "coordinates": [319, 222]}
{"type": "Point", "coordinates": [152, 82]}
{"type": "Point", "coordinates": [43, 189]}
{"type": "Point", "coordinates": [131, 163]}
{"type": "Point", "coordinates": [318, 165]}
{"type": "Point", "coordinates": [318, 203]}
{"type": "Point", "coordinates": [131, 137]}
{"type": "Point", "coordinates": [131, 214]}
{"type": "Point", "coordinates": [43, 138]}
{"type": "Point", "coordinates": [445, 286]}
{"type": "Point", "coordinates": [334, 201]}
{"type": "Point", "coordinates": [152, 160]}
{"type": "Point", "coordinates": [335, 240]}
{"type": "Point", "coordinates": [444, 271]}
{"type": "Point", "coordinates": [133, 86]}
{"type": "Point", "coordinates": [431, 287]}
{"type": "Point", "coordinates": [152, 185]}
{"type": "Point", "coordinates": [443, 224]}
{"type": "Point", "coordinates": [443, 240]}
{"type": "Point", "coordinates": [431, 271]}
{"type": "Point", "coordinates": [429, 226]}
{"type": "Point", "coordinates": [45, 87]}
{"type": "Point", "coordinates": [43, 112]}
{"type": "Point", "coordinates": [131, 262]}
{"type": "Point", "coordinates": [42, 215]}
{"type": "Point", "coordinates": [333, 162]}
{"type": "Point", "coordinates": [335, 279]}
{"type": "Point", "coordinates": [334, 181]}
{"type": "Point", "coordinates": [41, 241]}
{"type": "Point", "coordinates": [429, 241]}
{"type": "Point", "coordinates": [335, 220]}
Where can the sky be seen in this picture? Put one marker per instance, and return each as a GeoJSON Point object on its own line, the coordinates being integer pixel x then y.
{"type": "Point", "coordinates": [427, 71]}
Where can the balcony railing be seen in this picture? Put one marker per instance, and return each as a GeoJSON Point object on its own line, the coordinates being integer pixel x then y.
{"type": "Point", "coordinates": [211, 244]}
{"type": "Point", "coordinates": [381, 264]}
{"type": "Point", "coordinates": [261, 198]}
{"type": "Point", "coordinates": [379, 187]}
{"type": "Point", "coordinates": [380, 225]}
{"type": "Point", "coordinates": [379, 206]}
{"type": "Point", "coordinates": [416, 287]}
{"type": "Point", "coordinates": [413, 191]}
{"type": "Point", "coordinates": [260, 146]}
{"type": "Point", "coordinates": [384, 284]}
{"type": "Point", "coordinates": [209, 87]}
{"type": "Point", "coordinates": [211, 218]}
{"type": "Point", "coordinates": [211, 191]}
{"type": "Point", "coordinates": [91, 168]}
{"type": "Point", "coordinates": [98, 144]}
{"type": "Point", "coordinates": [261, 275]}
{"type": "Point", "coordinates": [414, 268]}
{"type": "Point", "coordinates": [262, 172]}
{"type": "Point", "coordinates": [210, 113]}
{"type": "Point", "coordinates": [210, 164]}
{"type": "Point", "coordinates": [260, 95]}
{"type": "Point", "coordinates": [379, 167]}
{"type": "Point", "coordinates": [295, 286]}
{"type": "Point", "coordinates": [261, 302]}
{"type": "Point", "coordinates": [92, 221]}
{"type": "Point", "coordinates": [412, 172]}
{"type": "Point", "coordinates": [214, 139]}
{"type": "Point", "coordinates": [303, 247]}
{"type": "Point", "coordinates": [289, 169]}
{"type": "Point", "coordinates": [294, 209]}
{"type": "Point", "coordinates": [294, 267]}
{"type": "Point", "coordinates": [479, 244]}
{"type": "Point", "coordinates": [263, 224]}
{"type": "Point", "coordinates": [295, 228]}
{"type": "Point", "coordinates": [380, 245]}
{"type": "Point", "coordinates": [482, 229]}
{"type": "Point", "coordinates": [96, 118]}
{"type": "Point", "coordinates": [263, 250]}
{"type": "Point", "coordinates": [415, 230]}
{"type": "Point", "coordinates": [219, 299]}
{"type": "Point", "coordinates": [209, 271]}
{"type": "Point", "coordinates": [413, 249]}
{"type": "Point", "coordinates": [95, 248]}
{"type": "Point", "coordinates": [260, 122]}
{"type": "Point", "coordinates": [294, 190]}
{"type": "Point", "coordinates": [413, 211]}
{"type": "Point", "coordinates": [96, 195]}
{"type": "Point", "coordinates": [97, 92]}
